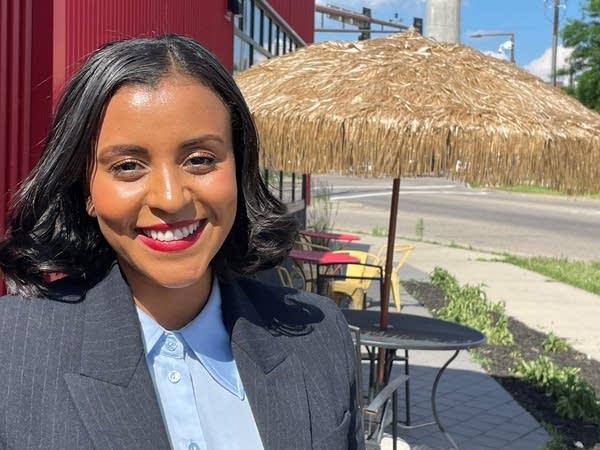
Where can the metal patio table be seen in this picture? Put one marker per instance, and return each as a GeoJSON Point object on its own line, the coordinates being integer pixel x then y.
{"type": "Point", "coordinates": [409, 332]}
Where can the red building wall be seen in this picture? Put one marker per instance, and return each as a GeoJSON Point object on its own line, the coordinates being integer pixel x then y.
{"type": "Point", "coordinates": [82, 25]}
{"type": "Point", "coordinates": [25, 89]}
{"type": "Point", "coordinates": [300, 14]}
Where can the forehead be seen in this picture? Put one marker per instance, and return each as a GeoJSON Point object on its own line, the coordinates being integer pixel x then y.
{"type": "Point", "coordinates": [170, 88]}
{"type": "Point", "coordinates": [175, 106]}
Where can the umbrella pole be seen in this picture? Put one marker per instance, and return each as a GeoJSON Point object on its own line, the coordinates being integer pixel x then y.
{"type": "Point", "coordinates": [389, 259]}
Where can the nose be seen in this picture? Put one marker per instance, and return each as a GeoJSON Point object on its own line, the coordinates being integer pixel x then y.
{"type": "Point", "coordinates": [167, 191]}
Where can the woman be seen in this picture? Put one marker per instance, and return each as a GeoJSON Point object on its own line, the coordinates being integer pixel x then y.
{"type": "Point", "coordinates": [129, 325]}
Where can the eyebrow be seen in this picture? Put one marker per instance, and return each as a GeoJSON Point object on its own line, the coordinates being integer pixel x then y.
{"type": "Point", "coordinates": [113, 151]}
{"type": "Point", "coordinates": [203, 140]}
{"type": "Point", "coordinates": [117, 150]}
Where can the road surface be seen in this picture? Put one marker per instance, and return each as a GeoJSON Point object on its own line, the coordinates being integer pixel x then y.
{"type": "Point", "coordinates": [451, 212]}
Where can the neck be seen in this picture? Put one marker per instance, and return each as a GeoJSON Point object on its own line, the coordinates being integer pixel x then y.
{"type": "Point", "coordinates": [172, 308]}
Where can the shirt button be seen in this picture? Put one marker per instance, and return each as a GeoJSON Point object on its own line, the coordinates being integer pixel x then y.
{"type": "Point", "coordinates": [174, 377]}
{"type": "Point", "coordinates": [193, 446]}
{"type": "Point", "coordinates": [171, 343]}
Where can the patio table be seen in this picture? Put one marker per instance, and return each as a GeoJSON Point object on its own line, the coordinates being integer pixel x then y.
{"type": "Point", "coordinates": [326, 236]}
{"type": "Point", "coordinates": [320, 258]}
{"type": "Point", "coordinates": [409, 332]}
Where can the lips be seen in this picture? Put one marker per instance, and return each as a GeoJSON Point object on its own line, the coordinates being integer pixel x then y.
{"type": "Point", "coordinates": [171, 237]}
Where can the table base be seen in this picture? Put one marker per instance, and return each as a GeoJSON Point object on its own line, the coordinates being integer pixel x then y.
{"type": "Point", "coordinates": [436, 418]}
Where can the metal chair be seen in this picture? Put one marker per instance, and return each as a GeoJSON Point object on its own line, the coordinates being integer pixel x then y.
{"type": "Point", "coordinates": [291, 277]}
{"type": "Point", "coordinates": [381, 410]}
{"type": "Point", "coordinates": [401, 254]}
{"type": "Point", "coordinates": [353, 280]}
{"type": "Point", "coordinates": [309, 270]}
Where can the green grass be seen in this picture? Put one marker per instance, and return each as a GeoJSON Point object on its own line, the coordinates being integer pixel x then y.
{"type": "Point", "coordinates": [532, 189]}
{"type": "Point", "coordinates": [581, 274]}
{"type": "Point", "coordinates": [378, 230]}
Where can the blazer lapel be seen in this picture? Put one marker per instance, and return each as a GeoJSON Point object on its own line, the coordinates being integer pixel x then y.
{"type": "Point", "coordinates": [273, 378]}
{"type": "Point", "coordinates": [113, 391]}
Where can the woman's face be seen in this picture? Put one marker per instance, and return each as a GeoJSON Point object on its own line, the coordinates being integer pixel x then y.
{"type": "Point", "coordinates": [163, 187]}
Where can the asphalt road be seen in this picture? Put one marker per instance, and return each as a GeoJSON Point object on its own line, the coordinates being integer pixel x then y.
{"type": "Point", "coordinates": [451, 212]}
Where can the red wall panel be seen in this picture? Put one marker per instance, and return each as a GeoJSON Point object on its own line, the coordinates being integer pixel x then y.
{"type": "Point", "coordinates": [83, 25]}
{"type": "Point", "coordinates": [25, 90]}
{"type": "Point", "coordinates": [300, 14]}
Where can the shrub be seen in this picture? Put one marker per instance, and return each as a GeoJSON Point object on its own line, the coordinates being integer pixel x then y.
{"type": "Point", "coordinates": [469, 305]}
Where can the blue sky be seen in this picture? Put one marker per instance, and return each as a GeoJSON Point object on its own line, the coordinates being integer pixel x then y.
{"type": "Point", "coordinates": [530, 20]}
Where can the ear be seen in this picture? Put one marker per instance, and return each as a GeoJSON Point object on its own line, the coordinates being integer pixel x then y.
{"type": "Point", "coordinates": [89, 207]}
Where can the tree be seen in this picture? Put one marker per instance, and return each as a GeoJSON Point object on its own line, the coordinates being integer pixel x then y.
{"type": "Point", "coordinates": [583, 35]}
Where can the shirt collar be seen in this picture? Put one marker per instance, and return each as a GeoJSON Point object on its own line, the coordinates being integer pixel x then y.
{"type": "Point", "coordinates": [206, 336]}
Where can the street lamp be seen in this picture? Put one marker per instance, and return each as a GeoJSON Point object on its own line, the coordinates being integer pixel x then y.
{"type": "Point", "coordinates": [511, 37]}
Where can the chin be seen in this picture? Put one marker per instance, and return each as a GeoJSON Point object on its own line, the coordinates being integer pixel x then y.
{"type": "Point", "coordinates": [181, 280]}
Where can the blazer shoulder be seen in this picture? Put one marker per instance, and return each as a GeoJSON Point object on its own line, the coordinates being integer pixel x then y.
{"type": "Point", "coordinates": [282, 307]}
{"type": "Point", "coordinates": [14, 308]}
{"type": "Point", "coordinates": [36, 318]}
{"type": "Point", "coordinates": [268, 291]}
{"type": "Point", "coordinates": [272, 298]}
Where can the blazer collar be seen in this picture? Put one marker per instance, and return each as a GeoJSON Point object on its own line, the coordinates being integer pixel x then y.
{"type": "Point", "coordinates": [112, 328]}
{"type": "Point", "coordinates": [112, 343]}
{"type": "Point", "coordinates": [248, 330]}
{"type": "Point", "coordinates": [273, 377]}
{"type": "Point", "coordinates": [113, 391]}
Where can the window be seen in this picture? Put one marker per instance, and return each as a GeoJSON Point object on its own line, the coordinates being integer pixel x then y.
{"type": "Point", "coordinates": [258, 36]}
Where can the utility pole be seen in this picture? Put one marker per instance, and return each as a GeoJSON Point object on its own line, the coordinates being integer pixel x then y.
{"type": "Point", "coordinates": [367, 25]}
{"type": "Point", "coordinates": [554, 41]}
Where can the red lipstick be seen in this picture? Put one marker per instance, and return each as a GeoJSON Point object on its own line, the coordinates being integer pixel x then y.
{"type": "Point", "coordinates": [174, 245]}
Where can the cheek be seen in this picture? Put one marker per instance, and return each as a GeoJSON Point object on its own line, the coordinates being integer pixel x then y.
{"type": "Point", "coordinates": [225, 198]}
{"type": "Point", "coordinates": [114, 202]}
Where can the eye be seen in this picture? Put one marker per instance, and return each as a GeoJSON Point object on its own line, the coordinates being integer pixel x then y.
{"type": "Point", "coordinates": [128, 169]}
{"type": "Point", "coordinates": [200, 162]}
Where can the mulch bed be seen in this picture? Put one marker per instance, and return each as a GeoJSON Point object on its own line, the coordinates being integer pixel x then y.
{"type": "Point", "coordinates": [530, 343]}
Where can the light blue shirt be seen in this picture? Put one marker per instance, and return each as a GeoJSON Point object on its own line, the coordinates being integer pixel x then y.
{"type": "Point", "coordinates": [198, 386]}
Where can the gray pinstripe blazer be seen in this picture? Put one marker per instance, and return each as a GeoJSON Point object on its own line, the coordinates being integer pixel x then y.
{"type": "Point", "coordinates": [73, 375]}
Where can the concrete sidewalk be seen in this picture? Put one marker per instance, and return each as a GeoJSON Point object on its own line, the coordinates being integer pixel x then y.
{"type": "Point", "coordinates": [475, 409]}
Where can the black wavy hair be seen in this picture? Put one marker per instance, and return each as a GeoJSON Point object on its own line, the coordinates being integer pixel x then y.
{"type": "Point", "coordinates": [49, 229]}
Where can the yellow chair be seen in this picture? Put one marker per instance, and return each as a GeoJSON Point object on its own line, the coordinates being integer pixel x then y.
{"type": "Point", "coordinates": [359, 278]}
{"type": "Point", "coordinates": [401, 254]}
{"type": "Point", "coordinates": [291, 277]}
{"type": "Point", "coordinates": [307, 245]}
{"type": "Point", "coordinates": [357, 288]}
{"type": "Point", "coordinates": [284, 276]}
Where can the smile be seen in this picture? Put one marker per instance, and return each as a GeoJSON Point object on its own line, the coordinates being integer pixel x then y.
{"type": "Point", "coordinates": [173, 234]}
{"type": "Point", "coordinates": [173, 237]}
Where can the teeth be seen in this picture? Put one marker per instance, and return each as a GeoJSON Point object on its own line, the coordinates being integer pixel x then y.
{"type": "Point", "coordinates": [172, 235]}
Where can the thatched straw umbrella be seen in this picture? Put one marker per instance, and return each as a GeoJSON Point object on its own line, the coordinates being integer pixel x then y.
{"type": "Point", "coordinates": [408, 105]}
